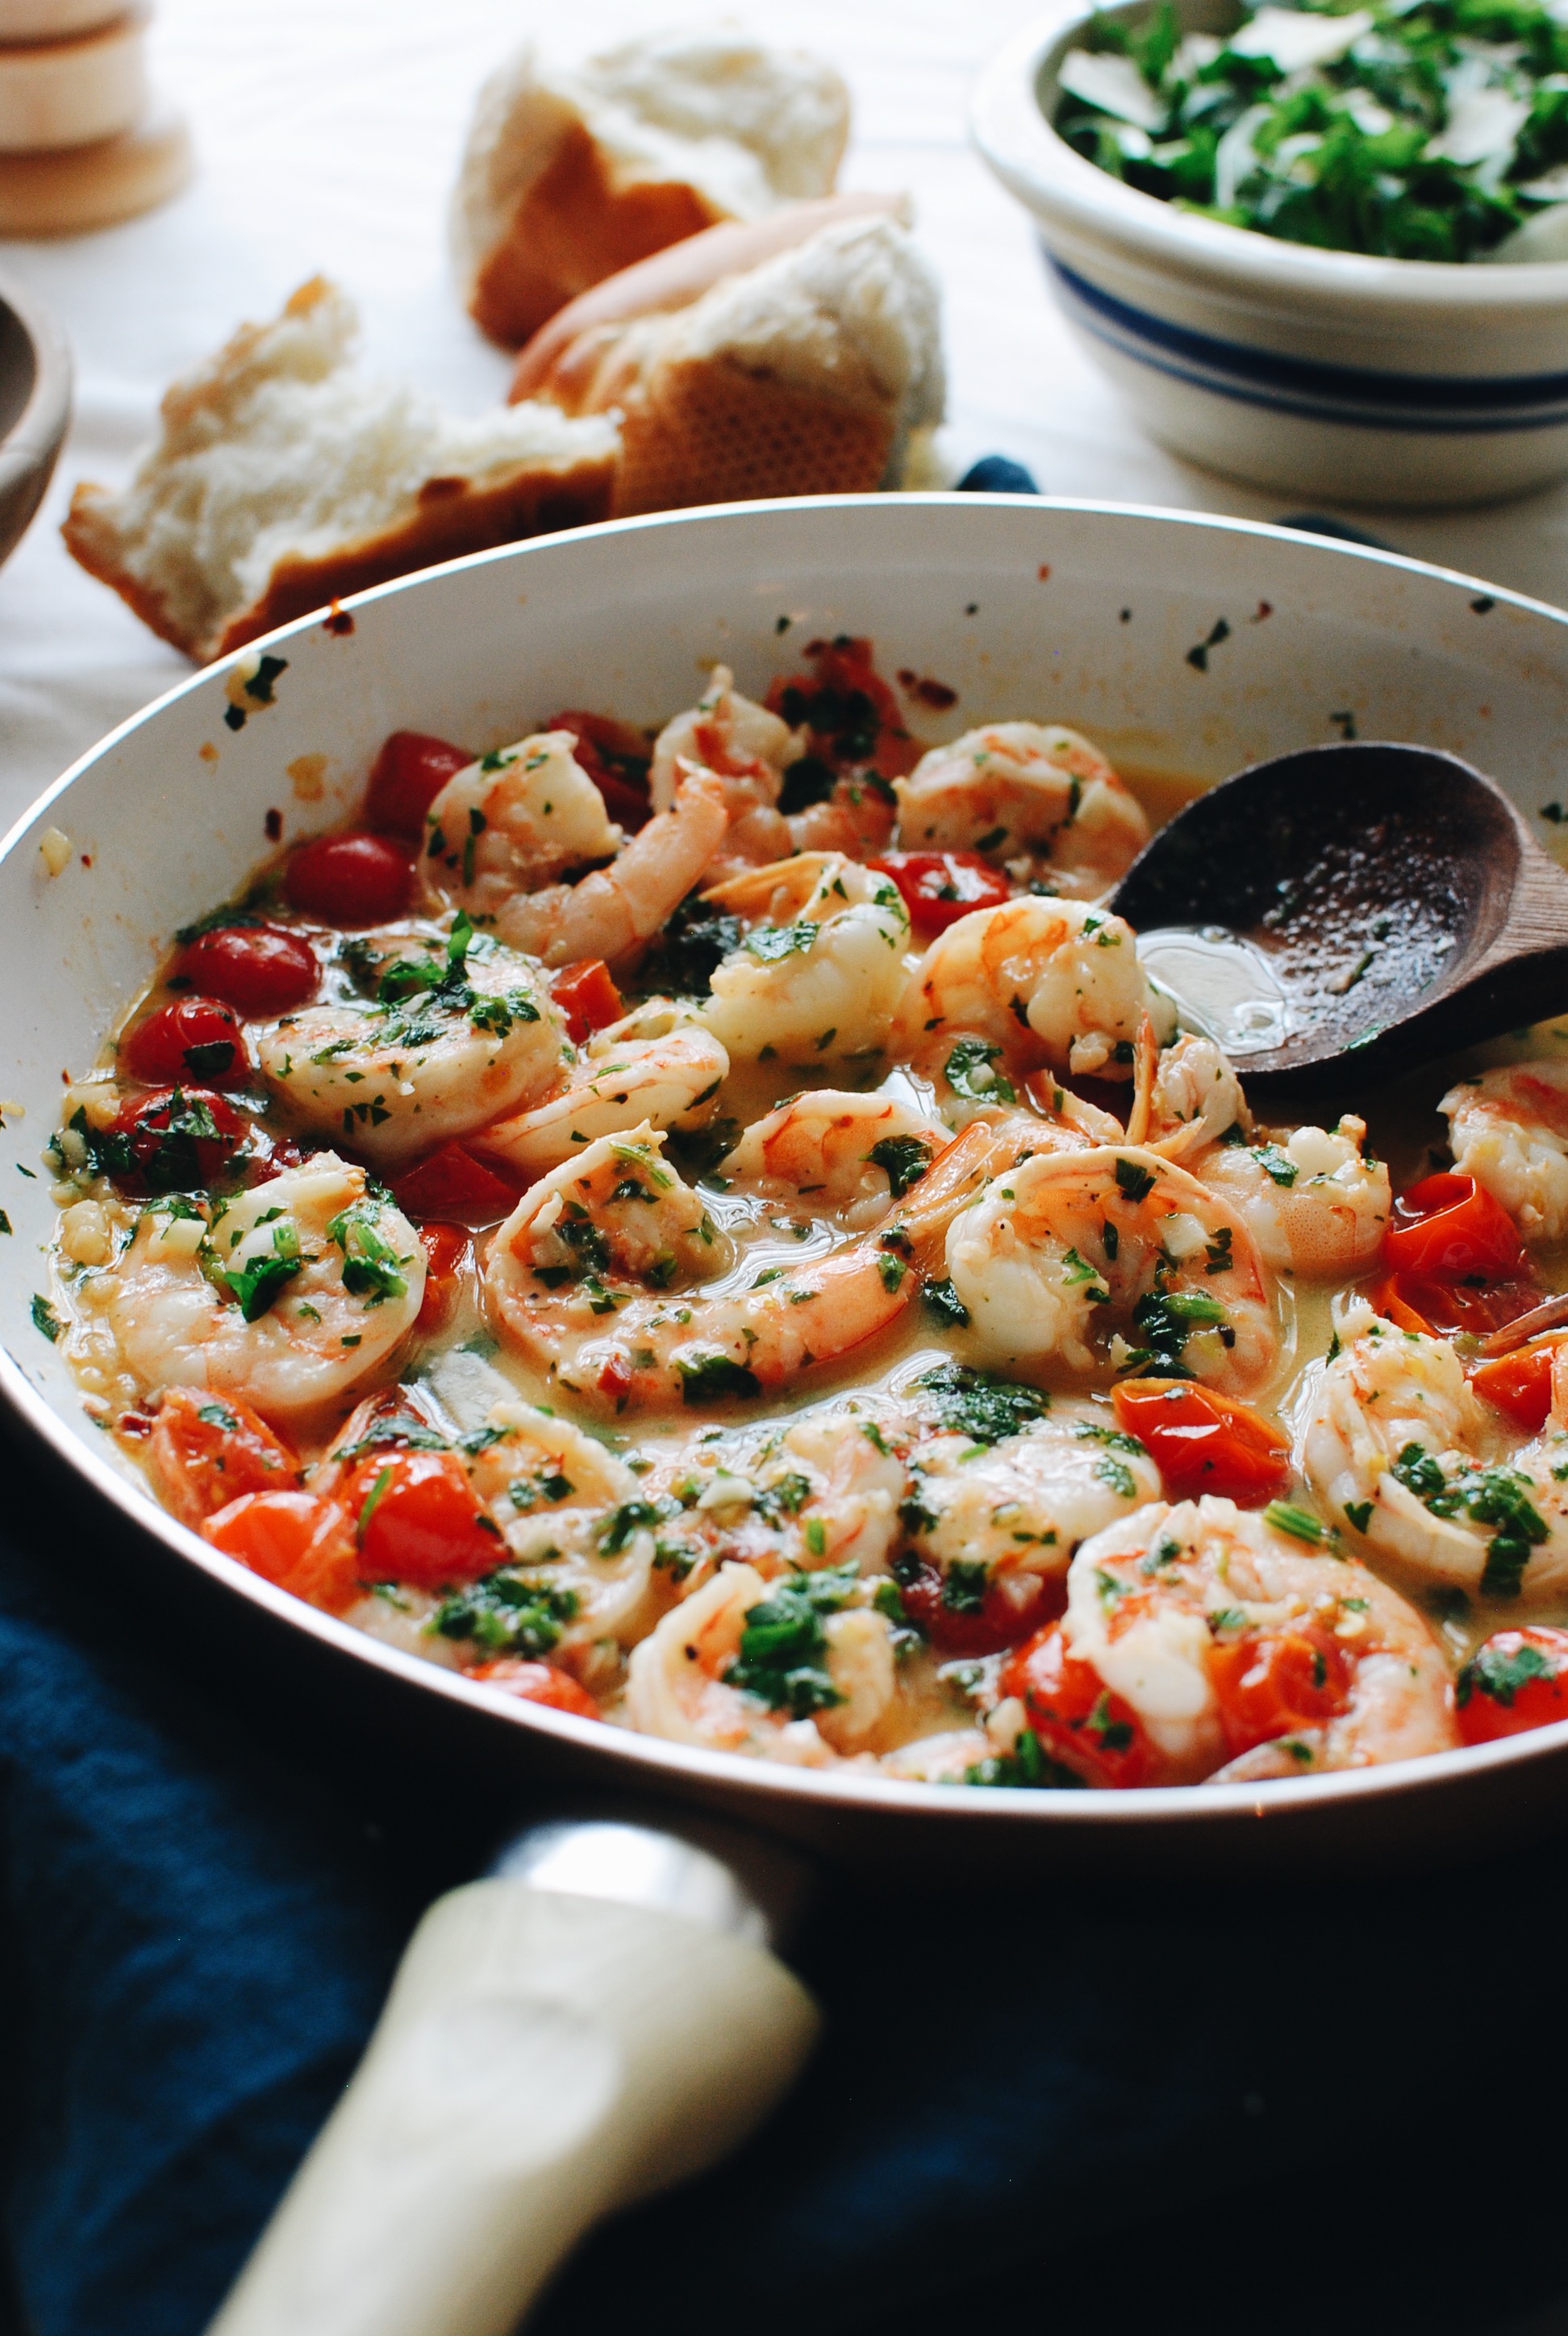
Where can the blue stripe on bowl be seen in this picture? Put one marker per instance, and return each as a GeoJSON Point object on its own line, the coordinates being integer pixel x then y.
{"type": "Point", "coordinates": [1448, 404]}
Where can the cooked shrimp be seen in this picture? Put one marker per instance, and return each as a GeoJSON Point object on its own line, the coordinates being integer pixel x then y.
{"type": "Point", "coordinates": [826, 1491]}
{"type": "Point", "coordinates": [290, 1294]}
{"type": "Point", "coordinates": [1238, 1652]}
{"type": "Point", "coordinates": [616, 911]}
{"type": "Point", "coordinates": [1040, 982]}
{"type": "Point", "coordinates": [1008, 1514]}
{"type": "Point", "coordinates": [1312, 1201]}
{"type": "Point", "coordinates": [1035, 796]}
{"type": "Point", "coordinates": [851, 1152]}
{"type": "Point", "coordinates": [1114, 1258]}
{"type": "Point", "coordinates": [1400, 1447]}
{"type": "Point", "coordinates": [1196, 1099]}
{"type": "Point", "coordinates": [569, 1516]}
{"type": "Point", "coordinates": [693, 1681]}
{"type": "Point", "coordinates": [461, 1031]}
{"type": "Point", "coordinates": [513, 822]}
{"type": "Point", "coordinates": [746, 748]}
{"type": "Point", "coordinates": [823, 964]}
{"type": "Point", "coordinates": [1509, 1130]}
{"type": "Point", "coordinates": [593, 1278]}
{"type": "Point", "coordinates": [659, 1064]}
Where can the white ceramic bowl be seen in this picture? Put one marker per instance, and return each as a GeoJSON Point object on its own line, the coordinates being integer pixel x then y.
{"type": "Point", "coordinates": [1057, 610]}
{"type": "Point", "coordinates": [1326, 374]}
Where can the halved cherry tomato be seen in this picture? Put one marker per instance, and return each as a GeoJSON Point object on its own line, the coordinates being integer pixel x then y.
{"type": "Point", "coordinates": [452, 1183]}
{"type": "Point", "coordinates": [1441, 1309]}
{"type": "Point", "coordinates": [446, 1250]}
{"type": "Point", "coordinates": [616, 758]}
{"type": "Point", "coordinates": [853, 715]}
{"type": "Point", "coordinates": [209, 1450]}
{"type": "Point", "coordinates": [1517, 1680]}
{"type": "Point", "coordinates": [536, 1682]}
{"type": "Point", "coordinates": [410, 772]}
{"type": "Point", "coordinates": [1270, 1683]}
{"type": "Point", "coordinates": [587, 996]}
{"type": "Point", "coordinates": [1520, 1384]}
{"type": "Point", "coordinates": [180, 1138]}
{"type": "Point", "coordinates": [257, 969]}
{"type": "Point", "coordinates": [1448, 1227]}
{"type": "Point", "coordinates": [996, 1621]}
{"type": "Point", "coordinates": [301, 1543]}
{"type": "Point", "coordinates": [417, 1520]}
{"type": "Point", "coordinates": [1205, 1443]}
{"type": "Point", "coordinates": [941, 887]}
{"type": "Point", "coordinates": [1076, 1717]}
{"type": "Point", "coordinates": [193, 1038]}
{"type": "Point", "coordinates": [350, 880]}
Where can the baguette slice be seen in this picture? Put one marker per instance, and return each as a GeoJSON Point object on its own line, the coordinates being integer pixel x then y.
{"type": "Point", "coordinates": [283, 478]}
{"type": "Point", "coordinates": [808, 374]}
{"type": "Point", "coordinates": [568, 177]}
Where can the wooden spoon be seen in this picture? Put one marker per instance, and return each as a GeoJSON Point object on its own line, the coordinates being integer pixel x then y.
{"type": "Point", "coordinates": [1347, 912]}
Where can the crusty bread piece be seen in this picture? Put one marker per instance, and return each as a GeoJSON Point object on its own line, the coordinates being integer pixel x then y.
{"type": "Point", "coordinates": [567, 177]}
{"type": "Point", "coordinates": [807, 375]}
{"type": "Point", "coordinates": [283, 478]}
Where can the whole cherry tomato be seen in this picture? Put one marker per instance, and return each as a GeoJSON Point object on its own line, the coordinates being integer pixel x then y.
{"type": "Point", "coordinates": [1205, 1443]}
{"type": "Point", "coordinates": [616, 759]}
{"type": "Point", "coordinates": [1520, 1384]}
{"type": "Point", "coordinates": [304, 1544]}
{"type": "Point", "coordinates": [209, 1450]}
{"type": "Point", "coordinates": [452, 1183]}
{"type": "Point", "coordinates": [410, 772]}
{"type": "Point", "coordinates": [941, 887]}
{"type": "Point", "coordinates": [193, 1038]}
{"type": "Point", "coordinates": [350, 880]}
{"type": "Point", "coordinates": [1448, 1227]}
{"type": "Point", "coordinates": [537, 1682]}
{"type": "Point", "coordinates": [418, 1520]}
{"type": "Point", "coordinates": [446, 1252]}
{"type": "Point", "coordinates": [961, 1621]}
{"type": "Point", "coordinates": [179, 1139]}
{"type": "Point", "coordinates": [1270, 1683]}
{"type": "Point", "coordinates": [259, 969]}
{"type": "Point", "coordinates": [1517, 1680]}
{"type": "Point", "coordinates": [587, 996]}
{"type": "Point", "coordinates": [1076, 1717]}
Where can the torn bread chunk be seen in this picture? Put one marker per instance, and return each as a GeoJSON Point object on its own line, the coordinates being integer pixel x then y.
{"type": "Point", "coordinates": [283, 478]}
{"type": "Point", "coordinates": [570, 176]}
{"type": "Point", "coordinates": [812, 373]}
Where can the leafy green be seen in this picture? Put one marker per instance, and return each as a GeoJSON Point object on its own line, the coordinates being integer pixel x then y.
{"type": "Point", "coordinates": [783, 1657]}
{"type": "Point", "coordinates": [1500, 1674]}
{"type": "Point", "coordinates": [943, 1301]}
{"type": "Point", "coordinates": [506, 1613]}
{"type": "Point", "coordinates": [370, 1263]}
{"type": "Point", "coordinates": [1499, 1497]}
{"type": "Point", "coordinates": [980, 1405]}
{"type": "Point", "coordinates": [711, 1378]}
{"type": "Point", "coordinates": [1029, 1766]}
{"type": "Point", "coordinates": [970, 1073]}
{"type": "Point", "coordinates": [259, 1282]}
{"type": "Point", "coordinates": [904, 1159]}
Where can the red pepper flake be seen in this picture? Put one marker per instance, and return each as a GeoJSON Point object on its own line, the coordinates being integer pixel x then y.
{"type": "Point", "coordinates": [934, 694]}
{"type": "Point", "coordinates": [338, 621]}
{"type": "Point", "coordinates": [1044, 571]}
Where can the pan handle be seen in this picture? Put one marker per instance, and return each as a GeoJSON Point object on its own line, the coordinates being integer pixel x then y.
{"type": "Point", "coordinates": [597, 2020]}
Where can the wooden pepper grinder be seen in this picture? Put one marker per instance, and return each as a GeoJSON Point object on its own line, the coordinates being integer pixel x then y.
{"type": "Point", "coordinates": [83, 140]}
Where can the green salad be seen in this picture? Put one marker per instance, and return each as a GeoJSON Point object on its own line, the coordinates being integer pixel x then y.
{"type": "Point", "coordinates": [1417, 128]}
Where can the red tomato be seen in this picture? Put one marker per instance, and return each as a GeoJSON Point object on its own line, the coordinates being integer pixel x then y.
{"type": "Point", "coordinates": [452, 1183]}
{"type": "Point", "coordinates": [410, 772]}
{"type": "Point", "coordinates": [587, 996]}
{"type": "Point", "coordinates": [853, 715]}
{"type": "Point", "coordinates": [209, 1450]}
{"type": "Point", "coordinates": [1205, 1443]}
{"type": "Point", "coordinates": [350, 880]}
{"type": "Point", "coordinates": [257, 969]}
{"type": "Point", "coordinates": [1520, 1384]}
{"type": "Point", "coordinates": [1077, 1719]}
{"type": "Point", "coordinates": [616, 759]}
{"type": "Point", "coordinates": [1517, 1680]}
{"type": "Point", "coordinates": [181, 1138]}
{"type": "Point", "coordinates": [301, 1543]}
{"type": "Point", "coordinates": [1269, 1684]}
{"type": "Point", "coordinates": [1443, 1307]}
{"type": "Point", "coordinates": [544, 1683]}
{"type": "Point", "coordinates": [1000, 1620]}
{"type": "Point", "coordinates": [615, 1380]}
{"type": "Point", "coordinates": [446, 1252]}
{"type": "Point", "coordinates": [941, 887]}
{"type": "Point", "coordinates": [417, 1520]}
{"type": "Point", "coordinates": [194, 1038]}
{"type": "Point", "coordinates": [1448, 1227]}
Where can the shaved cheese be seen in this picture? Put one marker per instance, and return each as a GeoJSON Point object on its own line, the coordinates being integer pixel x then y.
{"type": "Point", "coordinates": [1295, 40]}
{"type": "Point", "coordinates": [1113, 84]}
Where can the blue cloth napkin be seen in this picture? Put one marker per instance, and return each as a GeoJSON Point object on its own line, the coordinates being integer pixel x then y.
{"type": "Point", "coordinates": [1190, 2108]}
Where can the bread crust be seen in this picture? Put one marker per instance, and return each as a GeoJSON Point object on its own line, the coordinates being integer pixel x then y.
{"type": "Point", "coordinates": [453, 516]}
{"type": "Point", "coordinates": [707, 430]}
{"type": "Point", "coordinates": [574, 225]}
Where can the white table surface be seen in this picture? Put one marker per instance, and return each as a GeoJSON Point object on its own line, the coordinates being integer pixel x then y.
{"type": "Point", "coordinates": [327, 133]}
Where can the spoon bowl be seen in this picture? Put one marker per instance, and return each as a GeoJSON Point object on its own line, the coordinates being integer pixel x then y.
{"type": "Point", "coordinates": [1348, 912]}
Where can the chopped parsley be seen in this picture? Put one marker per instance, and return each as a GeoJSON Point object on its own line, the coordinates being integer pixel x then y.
{"type": "Point", "coordinates": [970, 1073]}
{"type": "Point", "coordinates": [506, 1613]}
{"type": "Point", "coordinates": [904, 1159]}
{"type": "Point", "coordinates": [371, 1266]}
{"type": "Point", "coordinates": [980, 1405]}
{"type": "Point", "coordinates": [1499, 1675]}
{"type": "Point", "coordinates": [783, 1657]}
